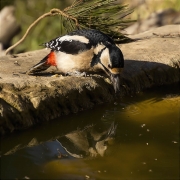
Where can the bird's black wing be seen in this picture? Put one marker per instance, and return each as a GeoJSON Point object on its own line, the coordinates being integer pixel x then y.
{"type": "Point", "coordinates": [67, 46]}
{"type": "Point", "coordinates": [94, 36]}
{"type": "Point", "coordinates": [73, 47]}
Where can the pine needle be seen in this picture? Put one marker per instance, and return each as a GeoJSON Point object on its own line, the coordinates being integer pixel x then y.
{"type": "Point", "coordinates": [104, 15]}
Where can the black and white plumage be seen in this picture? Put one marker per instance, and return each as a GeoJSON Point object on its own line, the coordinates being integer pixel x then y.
{"type": "Point", "coordinates": [83, 51]}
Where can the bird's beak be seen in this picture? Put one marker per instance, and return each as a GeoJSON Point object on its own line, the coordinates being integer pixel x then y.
{"type": "Point", "coordinates": [112, 129]}
{"type": "Point", "coordinates": [111, 133]}
{"type": "Point", "coordinates": [115, 79]}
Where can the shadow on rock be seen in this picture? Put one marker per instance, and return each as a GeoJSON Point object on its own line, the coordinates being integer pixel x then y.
{"type": "Point", "coordinates": [140, 75]}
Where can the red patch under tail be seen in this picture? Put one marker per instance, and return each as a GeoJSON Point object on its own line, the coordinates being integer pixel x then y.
{"type": "Point", "coordinates": [51, 60]}
{"type": "Point", "coordinates": [45, 63]}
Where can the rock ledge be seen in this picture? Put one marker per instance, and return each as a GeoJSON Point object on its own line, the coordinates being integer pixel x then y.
{"type": "Point", "coordinates": [26, 100]}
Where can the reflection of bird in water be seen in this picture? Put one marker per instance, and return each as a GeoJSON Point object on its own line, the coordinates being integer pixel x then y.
{"type": "Point", "coordinates": [90, 141]}
{"type": "Point", "coordinates": [66, 149]}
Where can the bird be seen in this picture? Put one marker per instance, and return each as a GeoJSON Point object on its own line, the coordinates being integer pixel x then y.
{"type": "Point", "coordinates": [92, 140]}
{"type": "Point", "coordinates": [83, 50]}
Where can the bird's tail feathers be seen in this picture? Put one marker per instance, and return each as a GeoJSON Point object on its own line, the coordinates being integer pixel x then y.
{"type": "Point", "coordinates": [41, 66]}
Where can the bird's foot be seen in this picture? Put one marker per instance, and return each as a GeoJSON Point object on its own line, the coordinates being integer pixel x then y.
{"type": "Point", "coordinates": [76, 73]}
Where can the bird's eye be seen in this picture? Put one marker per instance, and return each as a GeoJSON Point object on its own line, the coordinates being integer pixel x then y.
{"type": "Point", "coordinates": [109, 66]}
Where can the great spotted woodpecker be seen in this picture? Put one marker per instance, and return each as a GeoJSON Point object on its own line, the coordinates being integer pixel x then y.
{"type": "Point", "coordinates": [83, 51]}
{"type": "Point", "coordinates": [92, 140]}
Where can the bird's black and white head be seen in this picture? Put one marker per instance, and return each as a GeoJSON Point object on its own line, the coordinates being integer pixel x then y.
{"type": "Point", "coordinates": [116, 65]}
{"type": "Point", "coordinates": [111, 60]}
{"type": "Point", "coordinates": [102, 138]}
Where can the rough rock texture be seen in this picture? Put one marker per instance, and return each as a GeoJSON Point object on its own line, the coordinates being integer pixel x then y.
{"type": "Point", "coordinates": [26, 100]}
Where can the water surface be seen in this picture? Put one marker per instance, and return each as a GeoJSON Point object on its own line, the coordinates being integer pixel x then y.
{"type": "Point", "coordinates": [146, 145]}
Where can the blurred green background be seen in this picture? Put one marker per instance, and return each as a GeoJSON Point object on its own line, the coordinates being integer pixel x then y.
{"type": "Point", "coordinates": [27, 11]}
{"type": "Point", "coordinates": [143, 8]}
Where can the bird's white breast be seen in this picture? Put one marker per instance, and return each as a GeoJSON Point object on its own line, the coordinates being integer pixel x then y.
{"type": "Point", "coordinates": [79, 62]}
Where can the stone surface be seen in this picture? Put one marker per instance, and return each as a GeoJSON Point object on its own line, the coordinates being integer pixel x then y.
{"type": "Point", "coordinates": [168, 31]}
{"type": "Point", "coordinates": [26, 100]}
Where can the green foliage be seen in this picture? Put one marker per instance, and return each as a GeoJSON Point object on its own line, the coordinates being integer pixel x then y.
{"type": "Point", "coordinates": [4, 3]}
{"type": "Point", "coordinates": [27, 11]}
{"type": "Point", "coordinates": [105, 15]}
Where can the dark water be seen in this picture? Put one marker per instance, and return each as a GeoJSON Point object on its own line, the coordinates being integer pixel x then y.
{"type": "Point", "coordinates": [146, 145]}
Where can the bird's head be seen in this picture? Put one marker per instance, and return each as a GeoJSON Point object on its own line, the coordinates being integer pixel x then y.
{"type": "Point", "coordinates": [106, 138]}
{"type": "Point", "coordinates": [112, 62]}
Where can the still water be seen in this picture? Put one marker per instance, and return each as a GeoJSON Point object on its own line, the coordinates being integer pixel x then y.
{"type": "Point", "coordinates": [145, 145]}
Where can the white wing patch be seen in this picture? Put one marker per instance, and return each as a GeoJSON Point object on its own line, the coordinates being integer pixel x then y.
{"type": "Point", "coordinates": [75, 38]}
